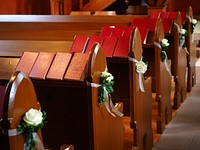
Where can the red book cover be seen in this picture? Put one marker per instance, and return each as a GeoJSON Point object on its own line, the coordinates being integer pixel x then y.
{"type": "Point", "coordinates": [137, 22]}
{"type": "Point", "coordinates": [79, 44]}
{"type": "Point", "coordinates": [164, 15]}
{"type": "Point", "coordinates": [106, 31]}
{"type": "Point", "coordinates": [91, 42]}
{"type": "Point", "coordinates": [77, 67]}
{"type": "Point", "coordinates": [143, 34]}
{"type": "Point", "coordinates": [26, 62]}
{"type": "Point", "coordinates": [167, 25]}
{"type": "Point", "coordinates": [118, 31]}
{"type": "Point", "coordinates": [108, 45]}
{"type": "Point", "coordinates": [122, 47]}
{"type": "Point", "coordinates": [128, 31]}
{"type": "Point", "coordinates": [59, 66]}
{"type": "Point", "coordinates": [172, 15]}
{"type": "Point", "coordinates": [42, 65]}
{"type": "Point", "coordinates": [155, 15]}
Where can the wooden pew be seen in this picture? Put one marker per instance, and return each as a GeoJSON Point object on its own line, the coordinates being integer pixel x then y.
{"type": "Point", "coordinates": [159, 70]}
{"type": "Point", "coordinates": [19, 98]}
{"type": "Point", "coordinates": [177, 55]}
{"type": "Point", "coordinates": [127, 90]}
{"type": "Point", "coordinates": [86, 125]}
{"type": "Point", "coordinates": [191, 48]}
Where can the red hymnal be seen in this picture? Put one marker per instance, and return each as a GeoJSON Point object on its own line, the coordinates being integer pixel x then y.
{"type": "Point", "coordinates": [128, 31]}
{"type": "Point", "coordinates": [108, 45]}
{"type": "Point", "coordinates": [91, 42]}
{"type": "Point", "coordinates": [118, 31]}
{"type": "Point", "coordinates": [59, 66]}
{"type": "Point", "coordinates": [167, 25]}
{"type": "Point", "coordinates": [26, 62]}
{"type": "Point", "coordinates": [41, 66]}
{"type": "Point", "coordinates": [122, 47]}
{"type": "Point", "coordinates": [77, 67]}
{"type": "Point", "coordinates": [79, 44]}
{"type": "Point", "coordinates": [106, 31]}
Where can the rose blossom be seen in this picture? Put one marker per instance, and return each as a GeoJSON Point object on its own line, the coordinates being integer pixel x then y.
{"type": "Point", "coordinates": [141, 67]}
{"type": "Point", "coordinates": [194, 21]}
{"type": "Point", "coordinates": [183, 31]}
{"type": "Point", "coordinates": [165, 42]}
{"type": "Point", "coordinates": [33, 117]}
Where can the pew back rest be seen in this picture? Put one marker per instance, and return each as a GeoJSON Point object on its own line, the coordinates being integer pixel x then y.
{"type": "Point", "coordinates": [19, 98]}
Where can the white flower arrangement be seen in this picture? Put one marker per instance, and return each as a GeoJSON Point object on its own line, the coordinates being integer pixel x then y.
{"type": "Point", "coordinates": [193, 24]}
{"type": "Point", "coordinates": [164, 42]}
{"type": "Point", "coordinates": [141, 67]}
{"type": "Point", "coordinates": [106, 81]}
{"type": "Point", "coordinates": [32, 121]}
{"type": "Point", "coordinates": [183, 34]}
{"type": "Point", "coordinates": [164, 47]}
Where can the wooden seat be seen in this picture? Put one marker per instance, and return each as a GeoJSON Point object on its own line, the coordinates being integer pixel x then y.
{"type": "Point", "coordinates": [19, 98]}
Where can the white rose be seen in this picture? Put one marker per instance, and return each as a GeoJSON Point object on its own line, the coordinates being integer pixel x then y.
{"type": "Point", "coordinates": [141, 67]}
{"type": "Point", "coordinates": [194, 21]}
{"type": "Point", "coordinates": [104, 74]}
{"type": "Point", "coordinates": [110, 78]}
{"type": "Point", "coordinates": [33, 117]}
{"type": "Point", "coordinates": [165, 42]}
{"type": "Point", "coordinates": [183, 31]}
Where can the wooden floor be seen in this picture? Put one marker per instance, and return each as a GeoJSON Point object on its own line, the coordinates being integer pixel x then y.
{"type": "Point", "coordinates": [128, 136]}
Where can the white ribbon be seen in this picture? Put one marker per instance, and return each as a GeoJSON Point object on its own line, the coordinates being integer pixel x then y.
{"type": "Point", "coordinates": [108, 103]}
{"type": "Point", "coordinates": [177, 27]}
{"type": "Point", "coordinates": [166, 59]}
{"type": "Point", "coordinates": [38, 143]}
{"type": "Point", "coordinates": [140, 75]}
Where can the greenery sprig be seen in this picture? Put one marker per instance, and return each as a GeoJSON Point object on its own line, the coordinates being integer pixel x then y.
{"type": "Point", "coordinates": [106, 81]}
{"type": "Point", "coordinates": [32, 121]}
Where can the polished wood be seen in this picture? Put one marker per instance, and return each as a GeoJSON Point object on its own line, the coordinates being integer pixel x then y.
{"type": "Point", "coordinates": [191, 48]}
{"type": "Point", "coordinates": [161, 76]}
{"type": "Point", "coordinates": [20, 90]}
{"type": "Point", "coordinates": [80, 13]}
{"type": "Point", "coordinates": [96, 5]}
{"type": "Point", "coordinates": [79, 105]}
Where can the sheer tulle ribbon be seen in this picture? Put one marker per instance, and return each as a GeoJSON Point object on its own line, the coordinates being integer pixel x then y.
{"type": "Point", "coordinates": [108, 103]}
{"type": "Point", "coordinates": [38, 143]}
{"type": "Point", "coordinates": [166, 59]}
{"type": "Point", "coordinates": [139, 74]}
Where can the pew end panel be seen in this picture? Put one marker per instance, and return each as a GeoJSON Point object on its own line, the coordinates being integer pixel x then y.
{"type": "Point", "coordinates": [191, 48]}
{"type": "Point", "coordinates": [19, 90]}
{"type": "Point", "coordinates": [177, 55]}
{"type": "Point", "coordinates": [105, 126]}
{"type": "Point", "coordinates": [140, 102]}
